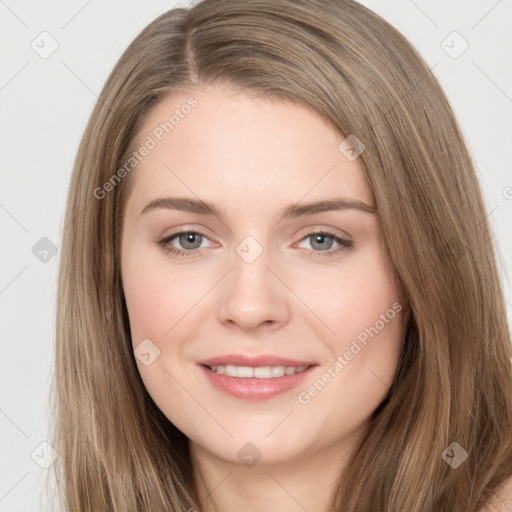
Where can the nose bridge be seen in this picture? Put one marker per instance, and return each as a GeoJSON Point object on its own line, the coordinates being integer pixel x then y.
{"type": "Point", "coordinates": [251, 277]}
{"type": "Point", "coordinates": [252, 294]}
{"type": "Point", "coordinates": [250, 250]}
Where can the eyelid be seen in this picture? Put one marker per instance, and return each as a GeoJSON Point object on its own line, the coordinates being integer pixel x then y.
{"type": "Point", "coordinates": [189, 228]}
{"type": "Point", "coordinates": [319, 228]}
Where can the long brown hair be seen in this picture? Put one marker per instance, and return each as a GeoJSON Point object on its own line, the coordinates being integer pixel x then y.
{"type": "Point", "coordinates": [454, 379]}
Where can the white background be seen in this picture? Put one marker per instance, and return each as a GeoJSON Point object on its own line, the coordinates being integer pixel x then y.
{"type": "Point", "coordinates": [45, 104]}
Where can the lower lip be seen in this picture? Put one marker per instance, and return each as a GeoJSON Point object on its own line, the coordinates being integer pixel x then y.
{"type": "Point", "coordinates": [252, 388]}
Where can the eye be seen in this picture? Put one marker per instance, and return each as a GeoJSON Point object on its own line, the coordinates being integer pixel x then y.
{"type": "Point", "coordinates": [322, 241]}
{"type": "Point", "coordinates": [189, 240]}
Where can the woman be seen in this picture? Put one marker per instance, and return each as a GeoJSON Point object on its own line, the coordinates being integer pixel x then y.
{"type": "Point", "coordinates": [259, 369]}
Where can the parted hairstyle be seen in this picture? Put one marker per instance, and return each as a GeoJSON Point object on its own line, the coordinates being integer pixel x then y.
{"type": "Point", "coordinates": [117, 451]}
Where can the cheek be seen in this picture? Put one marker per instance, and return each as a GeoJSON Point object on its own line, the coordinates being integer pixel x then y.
{"type": "Point", "coordinates": [156, 299]}
{"type": "Point", "coordinates": [369, 307]}
{"type": "Point", "coordinates": [367, 318]}
{"type": "Point", "coordinates": [361, 307]}
{"type": "Point", "coordinates": [353, 298]}
{"type": "Point", "coordinates": [144, 298]}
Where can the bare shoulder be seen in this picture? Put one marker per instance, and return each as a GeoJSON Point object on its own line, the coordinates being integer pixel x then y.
{"type": "Point", "coordinates": [502, 500]}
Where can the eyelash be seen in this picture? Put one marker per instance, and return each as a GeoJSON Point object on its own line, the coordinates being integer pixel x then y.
{"type": "Point", "coordinates": [344, 244]}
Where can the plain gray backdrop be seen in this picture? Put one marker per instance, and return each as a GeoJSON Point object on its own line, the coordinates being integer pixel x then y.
{"type": "Point", "coordinates": [55, 58]}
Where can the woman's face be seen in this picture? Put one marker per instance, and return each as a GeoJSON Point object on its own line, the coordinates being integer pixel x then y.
{"type": "Point", "coordinates": [303, 329]}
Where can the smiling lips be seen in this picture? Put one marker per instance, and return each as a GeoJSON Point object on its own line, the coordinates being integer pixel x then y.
{"type": "Point", "coordinates": [256, 377]}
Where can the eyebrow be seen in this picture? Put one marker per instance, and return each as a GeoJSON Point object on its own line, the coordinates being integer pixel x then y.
{"type": "Point", "coordinates": [201, 207]}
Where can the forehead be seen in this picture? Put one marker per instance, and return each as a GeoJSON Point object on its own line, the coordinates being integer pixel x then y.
{"type": "Point", "coordinates": [234, 148]}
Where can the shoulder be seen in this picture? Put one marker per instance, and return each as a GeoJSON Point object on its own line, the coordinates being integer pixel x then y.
{"type": "Point", "coordinates": [502, 499]}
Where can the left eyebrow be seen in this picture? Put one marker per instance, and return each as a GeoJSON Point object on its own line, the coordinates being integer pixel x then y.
{"type": "Point", "coordinates": [201, 207]}
{"type": "Point", "coordinates": [298, 210]}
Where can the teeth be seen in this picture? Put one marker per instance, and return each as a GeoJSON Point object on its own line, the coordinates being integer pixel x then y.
{"type": "Point", "coordinates": [260, 372]}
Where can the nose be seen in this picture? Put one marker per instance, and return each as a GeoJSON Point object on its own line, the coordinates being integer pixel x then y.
{"type": "Point", "coordinates": [253, 296]}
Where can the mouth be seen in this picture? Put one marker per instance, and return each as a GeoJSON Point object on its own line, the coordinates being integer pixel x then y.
{"type": "Point", "coordinates": [255, 378]}
{"type": "Point", "coordinates": [259, 372]}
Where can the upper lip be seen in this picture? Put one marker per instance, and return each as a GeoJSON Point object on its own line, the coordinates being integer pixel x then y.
{"type": "Point", "coordinates": [253, 361]}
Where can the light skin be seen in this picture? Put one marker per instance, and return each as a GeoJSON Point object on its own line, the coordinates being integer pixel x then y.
{"type": "Point", "coordinates": [300, 299]}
